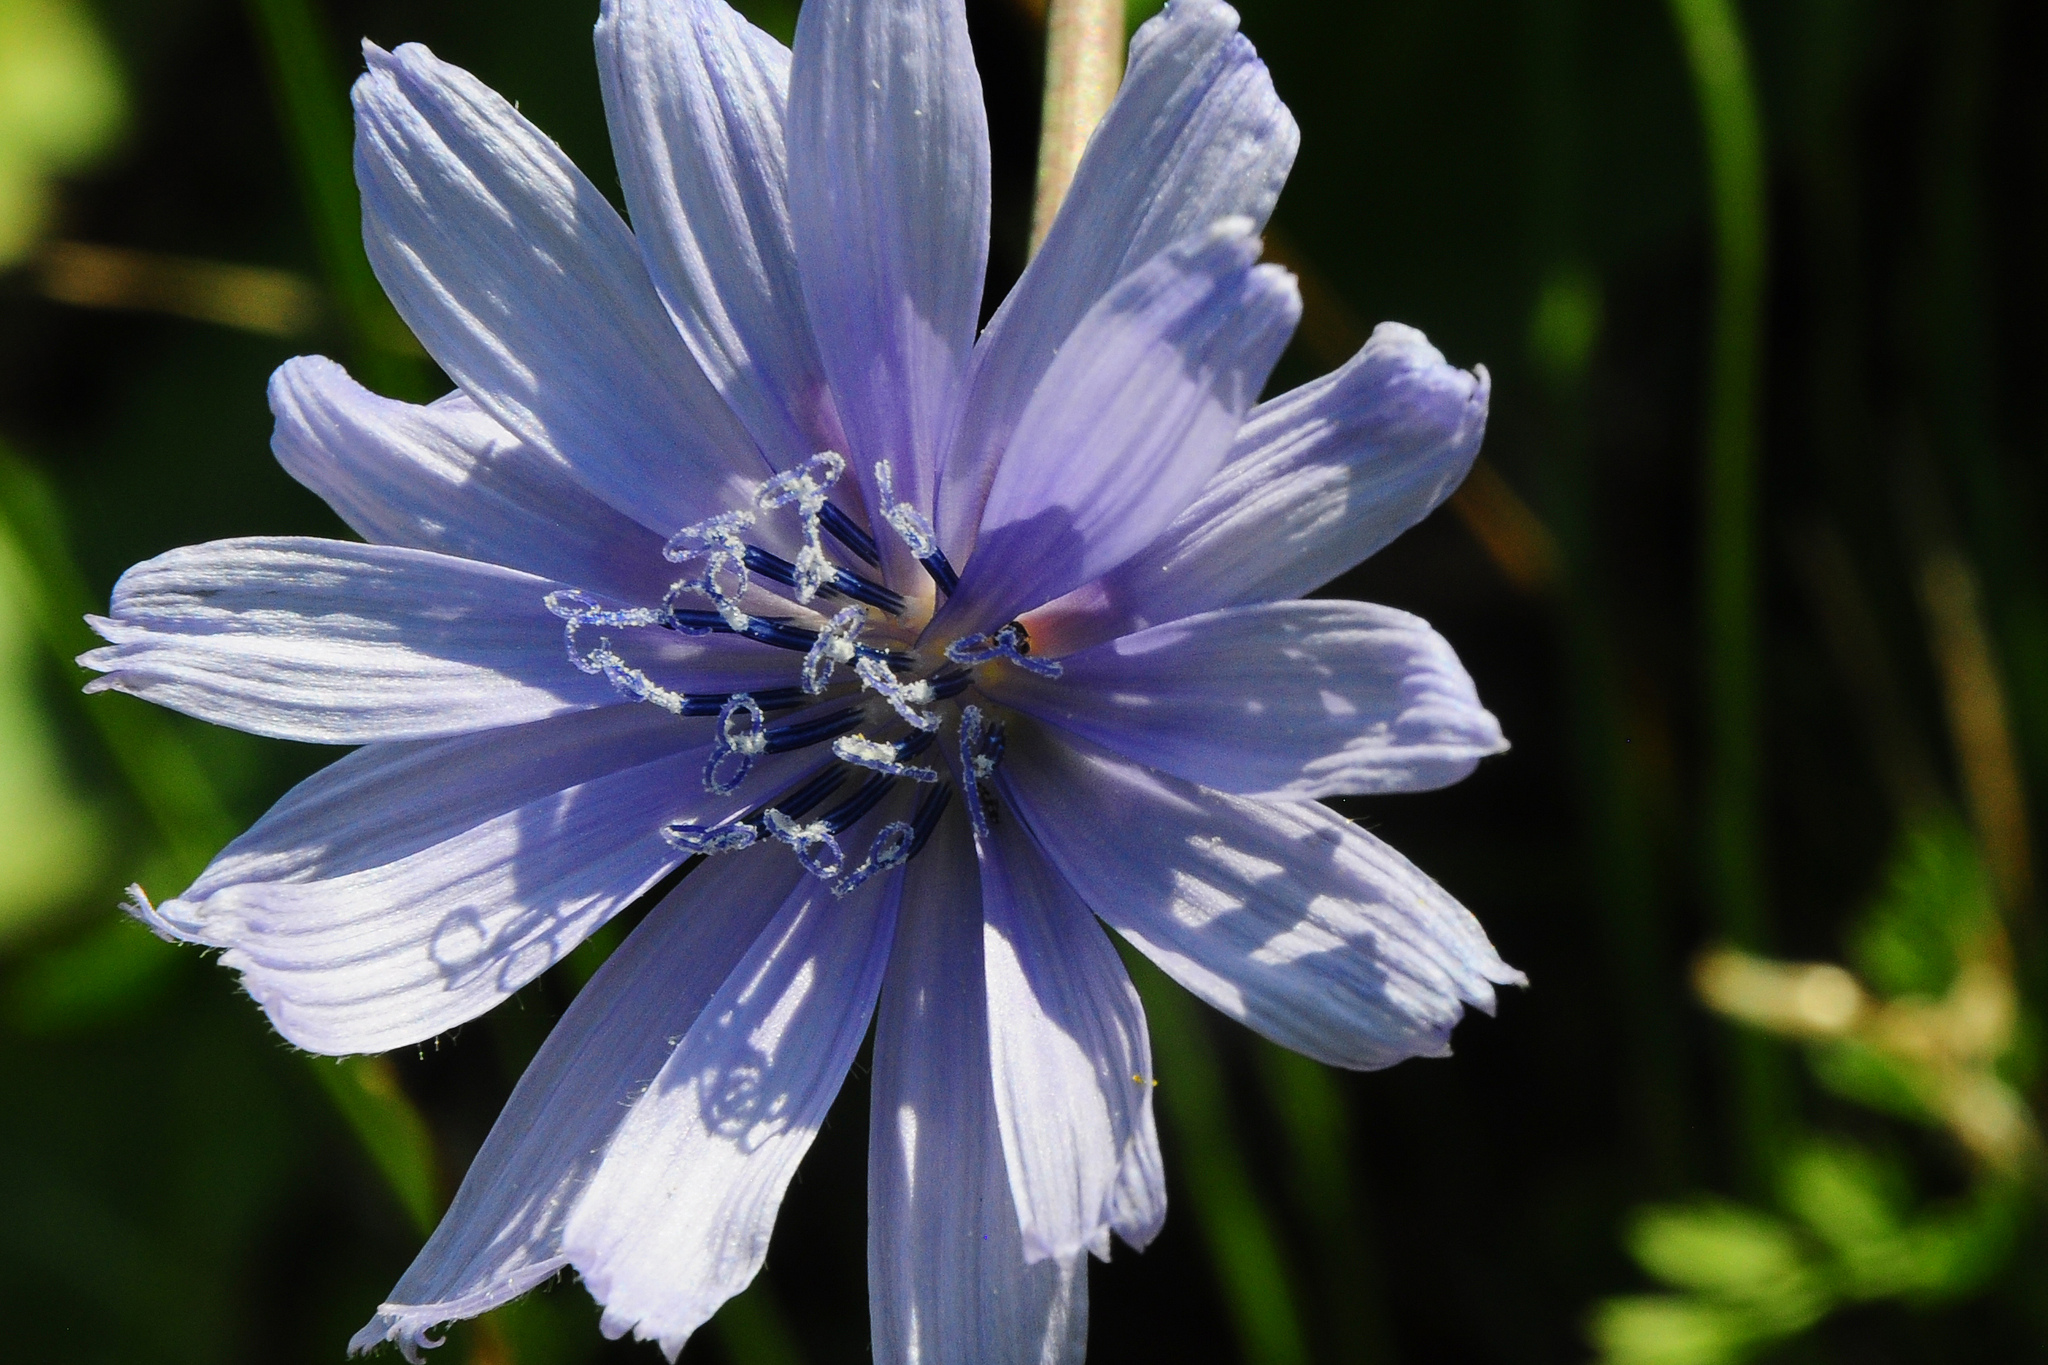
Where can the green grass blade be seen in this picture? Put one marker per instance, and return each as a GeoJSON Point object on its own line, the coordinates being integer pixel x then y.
{"type": "Point", "coordinates": [384, 1120]}
{"type": "Point", "coordinates": [1732, 128]}
{"type": "Point", "coordinates": [1243, 1243]}
{"type": "Point", "coordinates": [312, 105]}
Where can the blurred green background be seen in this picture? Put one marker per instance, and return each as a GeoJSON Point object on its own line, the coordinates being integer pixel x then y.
{"type": "Point", "coordinates": [1750, 572]}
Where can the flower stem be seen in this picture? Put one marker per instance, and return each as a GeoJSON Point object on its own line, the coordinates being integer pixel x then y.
{"type": "Point", "coordinates": [1084, 60]}
{"type": "Point", "coordinates": [1244, 1244]}
{"type": "Point", "coordinates": [1715, 49]}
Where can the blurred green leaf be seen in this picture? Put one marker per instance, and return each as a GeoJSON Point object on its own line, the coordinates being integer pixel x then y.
{"type": "Point", "coordinates": [114, 971]}
{"type": "Point", "coordinates": [1316, 1123]}
{"type": "Point", "coordinates": [776, 17]}
{"type": "Point", "coordinates": [1730, 1253]}
{"type": "Point", "coordinates": [1960, 1250]}
{"type": "Point", "coordinates": [145, 744]}
{"type": "Point", "coordinates": [1847, 1197]}
{"type": "Point", "coordinates": [586, 957]}
{"type": "Point", "coordinates": [1565, 325]}
{"type": "Point", "coordinates": [1861, 1073]}
{"type": "Point", "coordinates": [753, 1330]}
{"type": "Point", "coordinates": [1664, 1329]}
{"type": "Point", "coordinates": [1936, 904]}
{"type": "Point", "coordinates": [312, 101]}
{"type": "Point", "coordinates": [367, 1092]}
{"type": "Point", "coordinates": [55, 837]}
{"type": "Point", "coordinates": [61, 104]}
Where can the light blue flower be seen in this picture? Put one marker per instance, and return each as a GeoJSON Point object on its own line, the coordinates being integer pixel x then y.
{"type": "Point", "coordinates": [737, 541]}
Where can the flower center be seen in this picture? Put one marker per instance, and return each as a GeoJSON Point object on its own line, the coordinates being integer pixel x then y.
{"type": "Point", "coordinates": [861, 684]}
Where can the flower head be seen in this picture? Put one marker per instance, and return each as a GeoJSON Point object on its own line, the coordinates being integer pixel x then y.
{"type": "Point", "coordinates": [737, 543]}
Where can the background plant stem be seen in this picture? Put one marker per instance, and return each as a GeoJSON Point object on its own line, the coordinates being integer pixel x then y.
{"type": "Point", "coordinates": [1084, 61]}
{"type": "Point", "coordinates": [1717, 54]}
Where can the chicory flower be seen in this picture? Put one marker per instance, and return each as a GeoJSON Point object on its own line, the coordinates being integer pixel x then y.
{"type": "Point", "coordinates": [736, 542]}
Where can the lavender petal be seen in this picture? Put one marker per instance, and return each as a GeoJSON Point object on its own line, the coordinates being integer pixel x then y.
{"type": "Point", "coordinates": [527, 287]}
{"type": "Point", "coordinates": [1196, 134]}
{"type": "Point", "coordinates": [1318, 480]}
{"type": "Point", "coordinates": [411, 887]}
{"type": "Point", "coordinates": [446, 477]}
{"type": "Point", "coordinates": [337, 643]}
{"type": "Point", "coordinates": [889, 201]}
{"type": "Point", "coordinates": [1302, 699]}
{"type": "Point", "coordinates": [1071, 1062]}
{"type": "Point", "coordinates": [676, 1218]}
{"type": "Point", "coordinates": [947, 1278]}
{"type": "Point", "coordinates": [502, 1235]}
{"type": "Point", "coordinates": [695, 96]}
{"type": "Point", "coordinates": [1282, 914]}
{"type": "Point", "coordinates": [1128, 423]}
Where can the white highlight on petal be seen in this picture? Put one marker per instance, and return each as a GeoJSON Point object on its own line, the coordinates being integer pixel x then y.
{"type": "Point", "coordinates": [767, 1035]}
{"type": "Point", "coordinates": [906, 1133]}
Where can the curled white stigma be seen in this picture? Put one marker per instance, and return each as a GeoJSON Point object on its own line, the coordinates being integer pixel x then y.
{"type": "Point", "coordinates": [863, 752]}
{"type": "Point", "coordinates": [805, 486]}
{"type": "Point", "coordinates": [708, 839]}
{"type": "Point", "coordinates": [834, 646]}
{"type": "Point", "coordinates": [905, 697]}
{"type": "Point", "coordinates": [981, 751]}
{"type": "Point", "coordinates": [716, 542]}
{"type": "Point", "coordinates": [904, 519]}
{"type": "Point", "coordinates": [807, 840]}
{"type": "Point", "coordinates": [891, 849]}
{"type": "Point", "coordinates": [742, 737]}
{"type": "Point", "coordinates": [1010, 643]}
{"type": "Point", "coordinates": [579, 609]}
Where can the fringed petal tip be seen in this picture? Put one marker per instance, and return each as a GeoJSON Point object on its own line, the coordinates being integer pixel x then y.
{"type": "Point", "coordinates": [1484, 999]}
{"type": "Point", "coordinates": [136, 903]}
{"type": "Point", "coordinates": [410, 1334]}
{"type": "Point", "coordinates": [1039, 1249]}
{"type": "Point", "coordinates": [669, 1341]}
{"type": "Point", "coordinates": [102, 658]}
{"type": "Point", "coordinates": [411, 1326]}
{"type": "Point", "coordinates": [1501, 974]}
{"type": "Point", "coordinates": [1423, 383]}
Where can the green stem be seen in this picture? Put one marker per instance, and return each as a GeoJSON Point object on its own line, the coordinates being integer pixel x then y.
{"type": "Point", "coordinates": [1084, 60]}
{"type": "Point", "coordinates": [1617, 787]}
{"type": "Point", "coordinates": [1728, 114]}
{"type": "Point", "coordinates": [1243, 1245]}
{"type": "Point", "coordinates": [1732, 130]}
{"type": "Point", "coordinates": [1316, 1123]}
{"type": "Point", "coordinates": [311, 101]}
